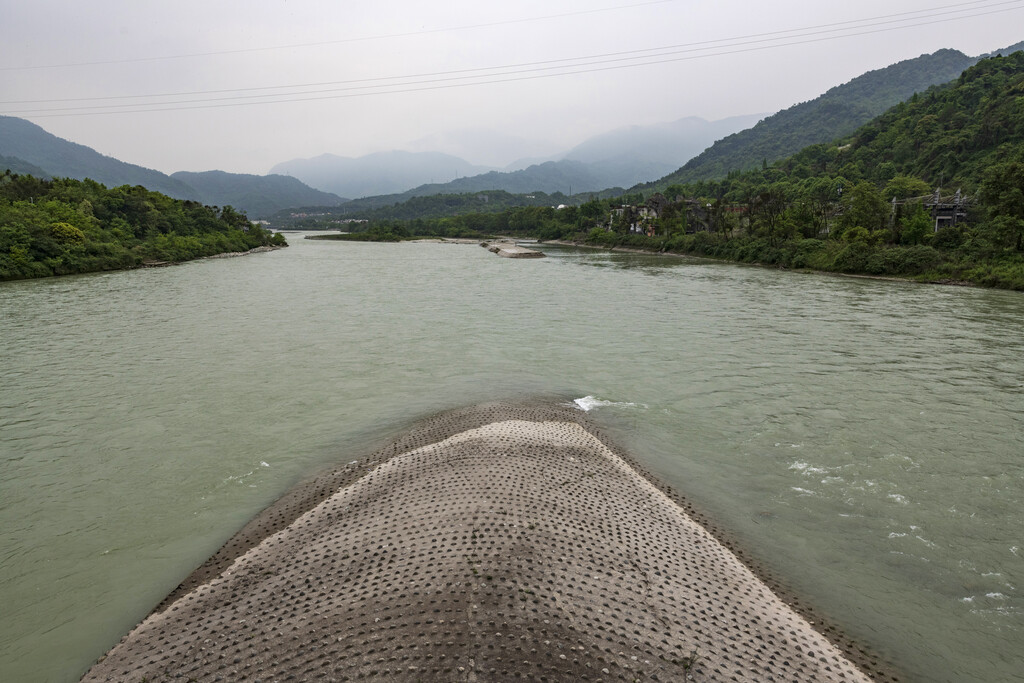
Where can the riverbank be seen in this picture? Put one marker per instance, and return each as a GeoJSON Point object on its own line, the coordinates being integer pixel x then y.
{"type": "Point", "coordinates": [978, 275]}
{"type": "Point", "coordinates": [483, 544]}
{"type": "Point", "coordinates": [257, 250]}
{"type": "Point", "coordinates": [229, 254]}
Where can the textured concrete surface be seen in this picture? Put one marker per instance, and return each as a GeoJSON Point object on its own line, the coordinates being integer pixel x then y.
{"type": "Point", "coordinates": [494, 543]}
{"type": "Point", "coordinates": [512, 250]}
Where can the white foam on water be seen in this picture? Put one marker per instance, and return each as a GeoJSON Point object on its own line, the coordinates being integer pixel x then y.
{"type": "Point", "coordinates": [805, 468]}
{"type": "Point", "coordinates": [588, 403]}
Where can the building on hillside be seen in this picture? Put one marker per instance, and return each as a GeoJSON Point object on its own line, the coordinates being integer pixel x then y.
{"type": "Point", "coordinates": [947, 211]}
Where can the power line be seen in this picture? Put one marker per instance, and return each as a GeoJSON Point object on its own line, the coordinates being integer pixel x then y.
{"type": "Point", "coordinates": [595, 65]}
{"type": "Point", "coordinates": [339, 41]}
{"type": "Point", "coordinates": [640, 54]}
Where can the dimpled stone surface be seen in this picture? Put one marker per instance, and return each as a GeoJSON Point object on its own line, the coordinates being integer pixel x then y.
{"type": "Point", "coordinates": [493, 543]}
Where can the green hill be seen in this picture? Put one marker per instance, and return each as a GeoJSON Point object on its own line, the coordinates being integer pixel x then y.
{"type": "Point", "coordinates": [259, 196]}
{"type": "Point", "coordinates": [950, 136]}
{"type": "Point", "coordinates": [837, 113]}
{"type": "Point", "coordinates": [28, 142]}
{"type": "Point", "coordinates": [20, 166]}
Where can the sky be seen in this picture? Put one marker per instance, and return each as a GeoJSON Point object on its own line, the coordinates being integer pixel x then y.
{"type": "Point", "coordinates": [240, 85]}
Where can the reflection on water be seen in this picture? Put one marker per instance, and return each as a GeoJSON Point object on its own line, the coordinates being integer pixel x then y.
{"type": "Point", "coordinates": [862, 438]}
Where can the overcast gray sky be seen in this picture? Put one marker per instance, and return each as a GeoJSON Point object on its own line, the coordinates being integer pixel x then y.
{"type": "Point", "coordinates": [351, 78]}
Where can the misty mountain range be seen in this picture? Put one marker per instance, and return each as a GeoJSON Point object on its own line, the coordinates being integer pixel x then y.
{"type": "Point", "coordinates": [620, 158]}
{"type": "Point", "coordinates": [616, 159]}
{"type": "Point", "coordinates": [680, 151]}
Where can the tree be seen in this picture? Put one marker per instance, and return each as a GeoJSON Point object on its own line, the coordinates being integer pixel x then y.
{"type": "Point", "coordinates": [916, 225]}
{"type": "Point", "coordinates": [904, 187]}
{"type": "Point", "coordinates": [771, 205]}
{"type": "Point", "coordinates": [1002, 189]}
{"type": "Point", "coordinates": [863, 206]}
{"type": "Point", "coordinates": [65, 233]}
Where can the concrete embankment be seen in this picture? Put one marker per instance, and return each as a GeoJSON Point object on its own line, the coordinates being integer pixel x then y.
{"type": "Point", "coordinates": [496, 542]}
{"type": "Point", "coordinates": [511, 250]}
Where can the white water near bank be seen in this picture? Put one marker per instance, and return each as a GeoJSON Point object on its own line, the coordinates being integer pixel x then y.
{"type": "Point", "coordinates": [861, 438]}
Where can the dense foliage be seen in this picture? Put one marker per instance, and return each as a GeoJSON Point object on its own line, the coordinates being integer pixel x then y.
{"type": "Point", "coordinates": [64, 226]}
{"type": "Point", "coordinates": [948, 136]}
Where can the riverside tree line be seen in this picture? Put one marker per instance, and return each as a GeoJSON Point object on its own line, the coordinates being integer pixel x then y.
{"type": "Point", "coordinates": [65, 226]}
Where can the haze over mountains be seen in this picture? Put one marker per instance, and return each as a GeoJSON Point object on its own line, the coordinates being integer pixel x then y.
{"type": "Point", "coordinates": [27, 148]}
{"type": "Point", "coordinates": [619, 158]}
{"type": "Point", "coordinates": [378, 173]}
{"type": "Point", "coordinates": [651, 156]}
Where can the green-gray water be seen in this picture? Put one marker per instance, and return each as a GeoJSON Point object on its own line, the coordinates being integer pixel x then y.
{"type": "Point", "coordinates": [862, 438]}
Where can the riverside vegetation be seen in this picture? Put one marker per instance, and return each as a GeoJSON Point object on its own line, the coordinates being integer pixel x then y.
{"type": "Point", "coordinates": [859, 204]}
{"type": "Point", "coordinates": [856, 205]}
{"type": "Point", "coordinates": [65, 226]}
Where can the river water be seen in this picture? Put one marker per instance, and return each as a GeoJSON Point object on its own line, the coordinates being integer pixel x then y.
{"type": "Point", "coordinates": [863, 439]}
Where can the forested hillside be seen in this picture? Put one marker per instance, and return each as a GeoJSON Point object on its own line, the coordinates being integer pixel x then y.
{"type": "Point", "coordinates": [838, 112]}
{"type": "Point", "coordinates": [58, 157]}
{"type": "Point", "coordinates": [259, 196]}
{"type": "Point", "coordinates": [65, 226]}
{"type": "Point", "coordinates": [953, 135]}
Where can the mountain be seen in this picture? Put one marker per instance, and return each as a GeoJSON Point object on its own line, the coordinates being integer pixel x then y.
{"type": "Point", "coordinates": [551, 177]}
{"type": "Point", "coordinates": [838, 112]}
{"type": "Point", "coordinates": [1017, 47]}
{"type": "Point", "coordinates": [28, 142]}
{"type": "Point", "coordinates": [619, 158]}
{"type": "Point", "coordinates": [953, 136]}
{"type": "Point", "coordinates": [22, 167]}
{"type": "Point", "coordinates": [26, 148]}
{"type": "Point", "coordinates": [258, 196]}
{"type": "Point", "coordinates": [486, 147]}
{"type": "Point", "coordinates": [378, 173]}
{"type": "Point", "coordinates": [668, 144]}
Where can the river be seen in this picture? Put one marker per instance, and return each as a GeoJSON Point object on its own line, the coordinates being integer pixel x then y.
{"type": "Point", "coordinates": [862, 439]}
